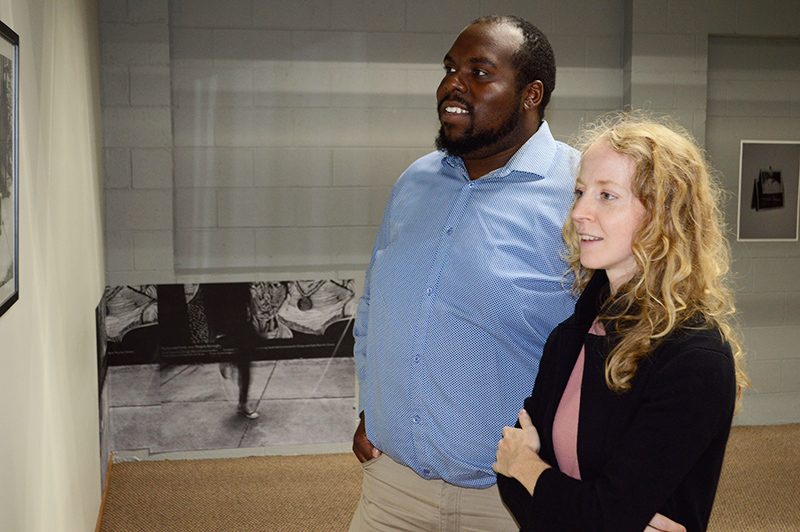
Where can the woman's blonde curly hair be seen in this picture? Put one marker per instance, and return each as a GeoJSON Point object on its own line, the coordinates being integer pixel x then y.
{"type": "Point", "coordinates": [681, 253]}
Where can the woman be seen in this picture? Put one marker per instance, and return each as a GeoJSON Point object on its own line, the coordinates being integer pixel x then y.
{"type": "Point", "coordinates": [636, 391]}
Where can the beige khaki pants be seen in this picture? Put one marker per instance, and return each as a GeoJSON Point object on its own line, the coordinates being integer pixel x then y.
{"type": "Point", "coordinates": [394, 497]}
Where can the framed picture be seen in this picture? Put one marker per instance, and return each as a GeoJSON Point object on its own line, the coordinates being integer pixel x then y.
{"type": "Point", "coordinates": [9, 167]}
{"type": "Point", "coordinates": [769, 190]}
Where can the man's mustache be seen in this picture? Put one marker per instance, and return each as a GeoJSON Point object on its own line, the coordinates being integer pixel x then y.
{"type": "Point", "coordinates": [455, 98]}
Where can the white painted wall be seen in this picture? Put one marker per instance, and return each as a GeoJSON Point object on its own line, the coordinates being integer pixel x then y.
{"type": "Point", "coordinates": [49, 457]}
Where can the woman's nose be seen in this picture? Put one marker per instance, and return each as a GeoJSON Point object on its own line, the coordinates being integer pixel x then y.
{"type": "Point", "coordinates": [580, 211]}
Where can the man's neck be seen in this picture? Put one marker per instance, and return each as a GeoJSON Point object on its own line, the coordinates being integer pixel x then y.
{"type": "Point", "coordinates": [478, 167]}
{"type": "Point", "coordinates": [481, 164]}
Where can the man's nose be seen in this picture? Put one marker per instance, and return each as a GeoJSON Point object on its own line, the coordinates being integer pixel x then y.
{"type": "Point", "coordinates": [453, 82]}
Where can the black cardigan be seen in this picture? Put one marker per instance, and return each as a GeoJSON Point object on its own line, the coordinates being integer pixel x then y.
{"type": "Point", "coordinates": [656, 448]}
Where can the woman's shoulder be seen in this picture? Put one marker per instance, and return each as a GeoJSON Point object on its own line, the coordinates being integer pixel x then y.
{"type": "Point", "coordinates": [700, 349]}
{"type": "Point", "coordinates": [698, 335]}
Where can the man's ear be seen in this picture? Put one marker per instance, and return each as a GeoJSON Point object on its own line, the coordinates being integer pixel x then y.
{"type": "Point", "coordinates": [534, 92]}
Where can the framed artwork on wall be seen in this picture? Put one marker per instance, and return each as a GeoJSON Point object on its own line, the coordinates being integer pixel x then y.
{"type": "Point", "coordinates": [769, 190]}
{"type": "Point", "coordinates": [9, 167]}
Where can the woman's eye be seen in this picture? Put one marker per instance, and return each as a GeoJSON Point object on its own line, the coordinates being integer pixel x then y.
{"type": "Point", "coordinates": [607, 196]}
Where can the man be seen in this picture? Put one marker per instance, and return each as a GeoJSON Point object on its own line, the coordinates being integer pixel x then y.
{"type": "Point", "coordinates": [464, 286]}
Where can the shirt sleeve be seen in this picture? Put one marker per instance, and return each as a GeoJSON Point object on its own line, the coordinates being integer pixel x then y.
{"type": "Point", "coordinates": [687, 402]}
{"type": "Point", "coordinates": [361, 325]}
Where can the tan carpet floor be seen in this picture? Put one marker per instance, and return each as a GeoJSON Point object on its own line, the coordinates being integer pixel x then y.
{"type": "Point", "coordinates": [759, 490]}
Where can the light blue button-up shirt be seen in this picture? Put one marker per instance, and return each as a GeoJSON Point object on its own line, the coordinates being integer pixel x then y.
{"type": "Point", "coordinates": [465, 283]}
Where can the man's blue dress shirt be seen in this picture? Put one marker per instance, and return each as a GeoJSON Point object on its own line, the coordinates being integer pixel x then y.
{"type": "Point", "coordinates": [465, 283]}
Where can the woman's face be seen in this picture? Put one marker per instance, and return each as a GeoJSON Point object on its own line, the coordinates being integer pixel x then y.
{"type": "Point", "coordinates": [606, 213]}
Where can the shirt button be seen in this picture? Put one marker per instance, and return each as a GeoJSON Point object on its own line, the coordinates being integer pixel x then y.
{"type": "Point", "coordinates": [426, 471]}
{"type": "Point", "coordinates": [429, 290]}
{"type": "Point", "coordinates": [416, 358]}
{"type": "Point", "coordinates": [415, 419]}
{"type": "Point", "coordinates": [449, 231]}
{"type": "Point", "coordinates": [471, 185]}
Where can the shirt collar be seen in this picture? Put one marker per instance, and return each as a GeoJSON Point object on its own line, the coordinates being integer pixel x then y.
{"type": "Point", "coordinates": [535, 157]}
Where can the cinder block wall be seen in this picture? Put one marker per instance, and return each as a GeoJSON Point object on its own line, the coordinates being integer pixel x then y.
{"type": "Point", "coordinates": [255, 138]}
{"type": "Point", "coordinates": [730, 71]}
{"type": "Point", "coordinates": [249, 139]}
{"type": "Point", "coordinates": [137, 135]}
{"type": "Point", "coordinates": [754, 94]}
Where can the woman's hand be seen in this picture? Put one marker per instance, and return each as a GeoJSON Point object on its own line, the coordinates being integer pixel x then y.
{"type": "Point", "coordinates": [517, 453]}
{"type": "Point", "coordinates": [659, 523]}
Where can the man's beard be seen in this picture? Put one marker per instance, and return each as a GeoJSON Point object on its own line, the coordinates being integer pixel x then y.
{"type": "Point", "coordinates": [472, 141]}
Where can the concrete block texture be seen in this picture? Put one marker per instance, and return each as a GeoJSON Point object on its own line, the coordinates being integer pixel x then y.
{"type": "Point", "coordinates": [142, 11]}
{"type": "Point", "coordinates": [211, 87]}
{"type": "Point", "coordinates": [117, 168]}
{"type": "Point", "coordinates": [774, 18]}
{"type": "Point", "coordinates": [113, 11]}
{"type": "Point", "coordinates": [588, 17]}
{"type": "Point", "coordinates": [153, 250]}
{"type": "Point", "coordinates": [293, 167]}
{"type": "Point", "coordinates": [134, 44]}
{"type": "Point", "coordinates": [208, 167]}
{"type": "Point", "coordinates": [115, 83]}
{"type": "Point", "coordinates": [370, 166]}
{"type": "Point", "coordinates": [353, 245]}
{"type": "Point", "coordinates": [140, 127]}
{"type": "Point", "coordinates": [119, 250]}
{"type": "Point", "coordinates": [196, 208]}
{"type": "Point", "coordinates": [259, 207]}
{"type": "Point", "coordinates": [191, 46]}
{"type": "Point", "coordinates": [664, 53]}
{"type": "Point", "coordinates": [302, 15]}
{"type": "Point", "coordinates": [234, 46]}
{"type": "Point", "coordinates": [375, 15]}
{"type": "Point", "coordinates": [152, 168]}
{"type": "Point", "coordinates": [761, 310]}
{"type": "Point", "coordinates": [288, 247]}
{"type": "Point", "coordinates": [136, 210]}
{"type": "Point", "coordinates": [769, 408]}
{"type": "Point", "coordinates": [150, 85]}
{"type": "Point", "coordinates": [251, 127]}
{"type": "Point", "coordinates": [211, 13]}
{"type": "Point", "coordinates": [293, 84]}
{"type": "Point", "coordinates": [202, 248]}
{"type": "Point", "coordinates": [333, 207]}
{"type": "Point", "coordinates": [440, 17]}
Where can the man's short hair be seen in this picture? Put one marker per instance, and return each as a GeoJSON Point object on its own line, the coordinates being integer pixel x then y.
{"type": "Point", "coordinates": [534, 60]}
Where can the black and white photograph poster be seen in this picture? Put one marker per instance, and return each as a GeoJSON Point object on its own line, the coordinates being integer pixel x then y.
{"type": "Point", "coordinates": [199, 367]}
{"type": "Point", "coordinates": [9, 181]}
{"type": "Point", "coordinates": [769, 190]}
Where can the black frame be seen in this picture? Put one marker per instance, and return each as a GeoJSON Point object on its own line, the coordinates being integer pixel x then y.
{"type": "Point", "coordinates": [9, 163]}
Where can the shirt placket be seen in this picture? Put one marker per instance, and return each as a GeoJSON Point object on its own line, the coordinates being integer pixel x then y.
{"type": "Point", "coordinates": [448, 237]}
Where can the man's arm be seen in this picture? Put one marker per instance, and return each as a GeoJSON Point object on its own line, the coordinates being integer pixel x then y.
{"type": "Point", "coordinates": [362, 447]}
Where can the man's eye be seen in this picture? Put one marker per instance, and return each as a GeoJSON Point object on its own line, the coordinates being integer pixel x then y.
{"type": "Point", "coordinates": [480, 73]}
{"type": "Point", "coordinates": [578, 193]}
{"type": "Point", "coordinates": [449, 69]}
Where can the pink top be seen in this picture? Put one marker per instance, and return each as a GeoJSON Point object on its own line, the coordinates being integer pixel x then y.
{"type": "Point", "coordinates": [565, 425]}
